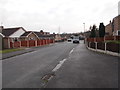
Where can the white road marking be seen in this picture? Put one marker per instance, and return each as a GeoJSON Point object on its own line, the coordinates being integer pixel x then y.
{"type": "Point", "coordinates": [59, 65]}
{"type": "Point", "coordinates": [71, 50]}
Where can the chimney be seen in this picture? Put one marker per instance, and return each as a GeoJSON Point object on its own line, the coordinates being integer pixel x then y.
{"type": "Point", "coordinates": [1, 28]}
{"type": "Point", "coordinates": [110, 22]}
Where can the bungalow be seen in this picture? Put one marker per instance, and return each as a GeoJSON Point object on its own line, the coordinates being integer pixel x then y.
{"type": "Point", "coordinates": [1, 41]}
{"type": "Point", "coordinates": [29, 35]}
{"type": "Point", "coordinates": [11, 35]}
{"type": "Point", "coordinates": [19, 37]}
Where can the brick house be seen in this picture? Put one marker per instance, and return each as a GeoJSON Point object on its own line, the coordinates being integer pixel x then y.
{"type": "Point", "coordinates": [116, 24]}
{"type": "Point", "coordinates": [29, 35]}
{"type": "Point", "coordinates": [11, 35]}
{"type": "Point", "coordinates": [109, 29]}
{"type": "Point", "coordinates": [1, 40]}
{"type": "Point", "coordinates": [19, 37]}
{"type": "Point", "coordinates": [113, 28]}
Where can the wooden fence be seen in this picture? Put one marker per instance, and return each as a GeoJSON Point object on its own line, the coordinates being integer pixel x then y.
{"type": "Point", "coordinates": [103, 39]}
{"type": "Point", "coordinates": [30, 43]}
{"type": "Point", "coordinates": [100, 44]}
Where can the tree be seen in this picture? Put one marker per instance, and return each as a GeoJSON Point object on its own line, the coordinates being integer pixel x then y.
{"type": "Point", "coordinates": [93, 31]}
{"type": "Point", "coordinates": [101, 30]}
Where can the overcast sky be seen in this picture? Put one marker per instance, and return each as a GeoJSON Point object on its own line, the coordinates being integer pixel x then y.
{"type": "Point", "coordinates": [50, 14]}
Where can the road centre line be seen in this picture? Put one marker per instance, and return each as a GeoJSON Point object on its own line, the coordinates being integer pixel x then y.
{"type": "Point", "coordinates": [59, 65]}
{"type": "Point", "coordinates": [71, 50]}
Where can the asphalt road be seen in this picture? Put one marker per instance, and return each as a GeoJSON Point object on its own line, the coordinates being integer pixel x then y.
{"type": "Point", "coordinates": [26, 71]}
{"type": "Point", "coordinates": [73, 65]}
{"type": "Point", "coordinates": [86, 69]}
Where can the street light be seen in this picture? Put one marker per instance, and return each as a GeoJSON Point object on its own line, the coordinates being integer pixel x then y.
{"type": "Point", "coordinates": [84, 32]}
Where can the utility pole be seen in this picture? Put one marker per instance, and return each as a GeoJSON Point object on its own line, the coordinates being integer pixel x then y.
{"type": "Point", "coordinates": [59, 30]}
{"type": "Point", "coordinates": [84, 32]}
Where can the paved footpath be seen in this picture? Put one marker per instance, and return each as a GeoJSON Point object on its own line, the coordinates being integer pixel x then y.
{"type": "Point", "coordinates": [86, 69]}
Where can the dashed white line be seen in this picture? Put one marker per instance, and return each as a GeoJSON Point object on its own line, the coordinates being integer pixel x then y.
{"type": "Point", "coordinates": [71, 50]}
{"type": "Point", "coordinates": [59, 65]}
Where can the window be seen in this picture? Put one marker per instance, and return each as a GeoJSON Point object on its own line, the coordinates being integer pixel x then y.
{"type": "Point", "coordinates": [15, 39]}
{"type": "Point", "coordinates": [119, 33]}
{"type": "Point", "coordinates": [31, 38]}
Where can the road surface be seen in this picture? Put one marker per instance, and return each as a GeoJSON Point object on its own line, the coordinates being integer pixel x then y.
{"type": "Point", "coordinates": [73, 65]}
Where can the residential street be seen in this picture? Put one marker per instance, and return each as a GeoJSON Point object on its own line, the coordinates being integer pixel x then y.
{"type": "Point", "coordinates": [77, 67]}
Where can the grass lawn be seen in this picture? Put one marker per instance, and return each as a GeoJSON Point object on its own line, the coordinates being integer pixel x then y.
{"type": "Point", "coordinates": [10, 50]}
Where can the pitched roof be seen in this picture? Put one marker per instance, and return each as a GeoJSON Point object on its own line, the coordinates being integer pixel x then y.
{"type": "Point", "coordinates": [2, 35]}
{"type": "Point", "coordinates": [26, 33]}
{"type": "Point", "coordinates": [38, 34]}
{"type": "Point", "coordinates": [43, 36]}
{"type": "Point", "coordinates": [10, 31]}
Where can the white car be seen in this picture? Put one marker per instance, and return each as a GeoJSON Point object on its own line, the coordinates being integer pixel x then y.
{"type": "Point", "coordinates": [76, 39]}
{"type": "Point", "coordinates": [69, 40]}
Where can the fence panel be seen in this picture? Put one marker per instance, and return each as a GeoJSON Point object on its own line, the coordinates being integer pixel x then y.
{"type": "Point", "coordinates": [98, 39]}
{"type": "Point", "coordinates": [101, 45]}
{"type": "Point", "coordinates": [11, 45]}
{"type": "Point", "coordinates": [16, 44]}
{"type": "Point", "coordinates": [113, 47]}
{"type": "Point", "coordinates": [31, 43]}
{"type": "Point", "coordinates": [41, 42]}
{"type": "Point", "coordinates": [38, 42]}
{"type": "Point", "coordinates": [90, 39]}
{"type": "Point", "coordinates": [118, 38]}
{"type": "Point", "coordinates": [44, 42]}
{"type": "Point", "coordinates": [109, 38]}
{"type": "Point", "coordinates": [24, 43]}
{"type": "Point", "coordinates": [92, 45]}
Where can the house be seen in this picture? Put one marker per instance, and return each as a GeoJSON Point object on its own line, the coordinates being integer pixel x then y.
{"type": "Point", "coordinates": [116, 26]}
{"type": "Point", "coordinates": [19, 37]}
{"type": "Point", "coordinates": [29, 35]}
{"type": "Point", "coordinates": [113, 28]}
{"type": "Point", "coordinates": [58, 37]}
{"type": "Point", "coordinates": [11, 35]}
{"type": "Point", "coordinates": [1, 41]}
{"type": "Point", "coordinates": [109, 29]}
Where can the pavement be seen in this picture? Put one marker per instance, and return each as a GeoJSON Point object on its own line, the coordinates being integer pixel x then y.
{"type": "Point", "coordinates": [62, 65]}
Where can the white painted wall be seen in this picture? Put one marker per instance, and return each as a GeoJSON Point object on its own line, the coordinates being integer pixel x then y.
{"type": "Point", "coordinates": [18, 33]}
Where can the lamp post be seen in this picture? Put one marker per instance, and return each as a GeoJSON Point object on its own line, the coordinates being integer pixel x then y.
{"type": "Point", "coordinates": [84, 32]}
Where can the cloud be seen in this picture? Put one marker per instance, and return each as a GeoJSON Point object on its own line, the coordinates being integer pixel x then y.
{"type": "Point", "coordinates": [50, 14]}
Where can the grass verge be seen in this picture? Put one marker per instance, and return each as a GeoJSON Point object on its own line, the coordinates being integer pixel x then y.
{"type": "Point", "coordinates": [10, 50]}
